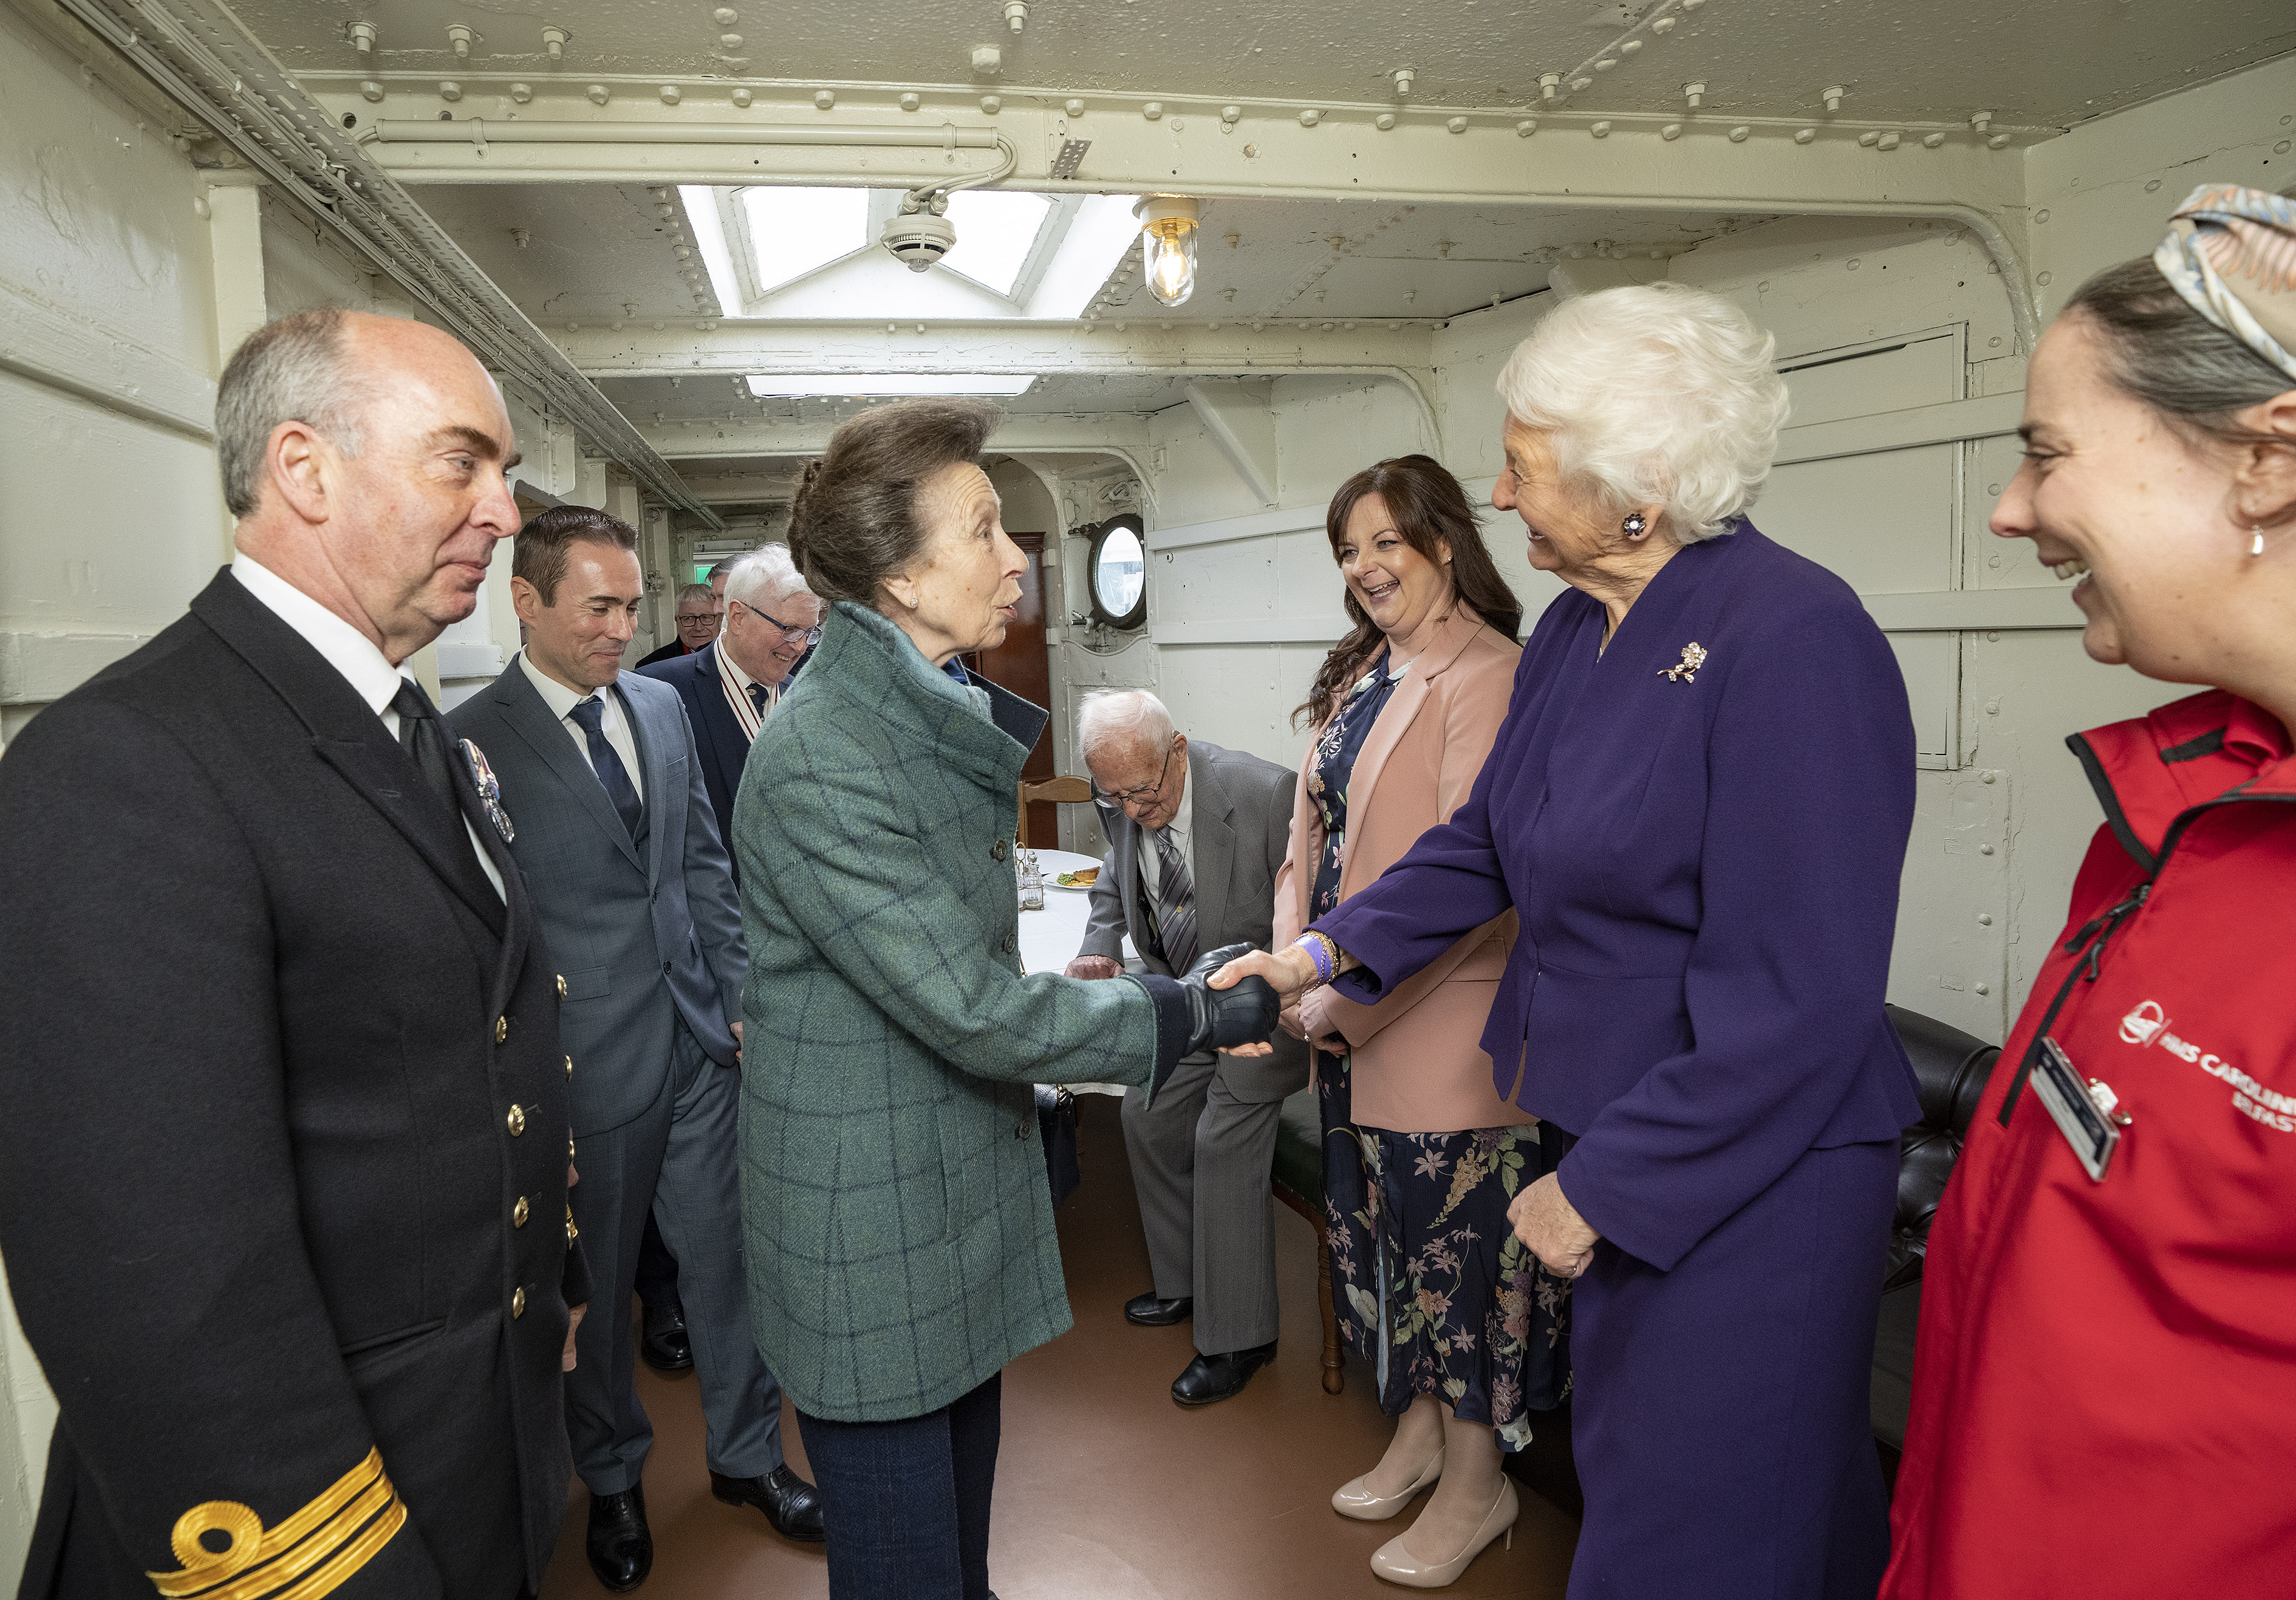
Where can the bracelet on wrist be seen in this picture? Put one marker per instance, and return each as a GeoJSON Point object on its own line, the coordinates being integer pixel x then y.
{"type": "Point", "coordinates": [1322, 952]}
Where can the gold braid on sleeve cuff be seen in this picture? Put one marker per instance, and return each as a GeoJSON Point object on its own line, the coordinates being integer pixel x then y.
{"type": "Point", "coordinates": [309, 1555]}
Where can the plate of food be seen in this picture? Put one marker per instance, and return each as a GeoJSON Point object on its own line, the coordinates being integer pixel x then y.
{"type": "Point", "coordinates": [1083, 878]}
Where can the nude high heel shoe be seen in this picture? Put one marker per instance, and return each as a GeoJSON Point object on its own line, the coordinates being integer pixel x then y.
{"type": "Point", "coordinates": [1396, 1564]}
{"type": "Point", "coordinates": [1352, 1499]}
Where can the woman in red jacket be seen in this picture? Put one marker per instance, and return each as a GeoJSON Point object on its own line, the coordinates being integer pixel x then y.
{"type": "Point", "coordinates": [2104, 1385]}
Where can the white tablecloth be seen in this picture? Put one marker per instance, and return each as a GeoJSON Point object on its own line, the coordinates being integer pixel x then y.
{"type": "Point", "coordinates": [1049, 938]}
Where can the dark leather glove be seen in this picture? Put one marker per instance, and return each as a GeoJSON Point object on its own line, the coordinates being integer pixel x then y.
{"type": "Point", "coordinates": [1224, 1018]}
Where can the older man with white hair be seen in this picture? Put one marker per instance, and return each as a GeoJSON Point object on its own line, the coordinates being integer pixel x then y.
{"type": "Point", "coordinates": [1196, 837]}
{"type": "Point", "coordinates": [772, 619]}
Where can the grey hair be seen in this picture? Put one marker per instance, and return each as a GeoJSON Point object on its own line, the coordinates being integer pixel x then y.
{"type": "Point", "coordinates": [766, 574]}
{"type": "Point", "coordinates": [2160, 350]}
{"type": "Point", "coordinates": [1659, 394]}
{"type": "Point", "coordinates": [1110, 714]}
{"type": "Point", "coordinates": [692, 591]}
{"type": "Point", "coordinates": [297, 369]}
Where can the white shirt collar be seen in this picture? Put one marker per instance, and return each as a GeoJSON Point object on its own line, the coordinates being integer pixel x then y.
{"type": "Point", "coordinates": [560, 699]}
{"type": "Point", "coordinates": [347, 650]}
{"type": "Point", "coordinates": [1183, 819]}
{"type": "Point", "coordinates": [741, 680]}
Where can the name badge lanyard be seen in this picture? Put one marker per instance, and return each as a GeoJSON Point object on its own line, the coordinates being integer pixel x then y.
{"type": "Point", "coordinates": [2086, 1111]}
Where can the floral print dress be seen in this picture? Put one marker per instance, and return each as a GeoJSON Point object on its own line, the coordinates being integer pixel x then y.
{"type": "Point", "coordinates": [1435, 1291]}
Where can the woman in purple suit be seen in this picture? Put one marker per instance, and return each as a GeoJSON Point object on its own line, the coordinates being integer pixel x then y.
{"type": "Point", "coordinates": [1698, 806]}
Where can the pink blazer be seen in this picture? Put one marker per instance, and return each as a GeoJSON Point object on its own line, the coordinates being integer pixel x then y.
{"type": "Point", "coordinates": [1417, 1058]}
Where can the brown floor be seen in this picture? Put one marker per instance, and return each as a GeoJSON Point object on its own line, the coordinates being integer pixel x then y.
{"type": "Point", "coordinates": [1105, 1489]}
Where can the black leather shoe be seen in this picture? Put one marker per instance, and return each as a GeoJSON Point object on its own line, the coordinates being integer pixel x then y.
{"type": "Point", "coordinates": [1146, 1311]}
{"type": "Point", "coordinates": [1212, 1378]}
{"type": "Point", "coordinates": [791, 1503]}
{"type": "Point", "coordinates": [662, 1338]}
{"type": "Point", "coordinates": [619, 1542]}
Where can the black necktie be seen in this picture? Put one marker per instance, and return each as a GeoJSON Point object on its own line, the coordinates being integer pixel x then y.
{"type": "Point", "coordinates": [591, 716]}
{"type": "Point", "coordinates": [421, 737]}
{"type": "Point", "coordinates": [758, 699]}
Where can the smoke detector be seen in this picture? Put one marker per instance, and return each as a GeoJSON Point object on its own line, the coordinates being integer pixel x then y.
{"type": "Point", "coordinates": [918, 239]}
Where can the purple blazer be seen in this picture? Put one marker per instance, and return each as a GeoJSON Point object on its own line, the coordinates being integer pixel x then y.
{"type": "Point", "coordinates": [1705, 862]}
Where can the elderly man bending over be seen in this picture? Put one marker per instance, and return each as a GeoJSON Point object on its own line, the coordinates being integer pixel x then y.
{"type": "Point", "coordinates": [1196, 836]}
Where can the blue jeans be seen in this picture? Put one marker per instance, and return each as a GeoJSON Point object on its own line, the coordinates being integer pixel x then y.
{"type": "Point", "coordinates": [905, 1503]}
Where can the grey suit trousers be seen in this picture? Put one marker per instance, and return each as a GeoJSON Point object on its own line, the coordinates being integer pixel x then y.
{"type": "Point", "coordinates": [677, 1159]}
{"type": "Point", "coordinates": [1199, 1161]}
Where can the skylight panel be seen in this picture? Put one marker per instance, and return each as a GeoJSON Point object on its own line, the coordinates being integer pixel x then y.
{"type": "Point", "coordinates": [794, 231]}
{"type": "Point", "coordinates": [709, 238]}
{"type": "Point", "coordinates": [995, 230]}
{"type": "Point", "coordinates": [885, 385]}
{"type": "Point", "coordinates": [1103, 233]}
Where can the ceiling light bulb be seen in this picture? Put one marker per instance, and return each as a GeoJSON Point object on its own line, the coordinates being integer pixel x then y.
{"type": "Point", "coordinates": [1168, 246]}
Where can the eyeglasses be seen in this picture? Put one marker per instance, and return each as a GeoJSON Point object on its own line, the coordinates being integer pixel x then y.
{"type": "Point", "coordinates": [697, 619]}
{"type": "Point", "coordinates": [1139, 793]}
{"type": "Point", "coordinates": [807, 636]}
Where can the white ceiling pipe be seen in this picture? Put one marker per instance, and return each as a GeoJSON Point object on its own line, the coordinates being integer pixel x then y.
{"type": "Point", "coordinates": [397, 131]}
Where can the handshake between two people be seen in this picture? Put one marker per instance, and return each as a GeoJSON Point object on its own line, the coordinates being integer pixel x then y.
{"type": "Point", "coordinates": [1232, 1005]}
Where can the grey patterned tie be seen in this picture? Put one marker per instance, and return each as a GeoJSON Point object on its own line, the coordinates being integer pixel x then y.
{"type": "Point", "coordinates": [1176, 904]}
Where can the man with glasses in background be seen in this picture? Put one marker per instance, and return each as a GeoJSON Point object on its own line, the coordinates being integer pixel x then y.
{"type": "Point", "coordinates": [1196, 836]}
{"type": "Point", "coordinates": [730, 684]}
{"type": "Point", "coordinates": [699, 613]}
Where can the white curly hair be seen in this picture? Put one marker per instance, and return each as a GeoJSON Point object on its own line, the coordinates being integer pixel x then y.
{"type": "Point", "coordinates": [1659, 394]}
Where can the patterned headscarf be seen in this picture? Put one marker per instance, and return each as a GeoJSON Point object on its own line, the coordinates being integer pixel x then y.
{"type": "Point", "coordinates": [2231, 253]}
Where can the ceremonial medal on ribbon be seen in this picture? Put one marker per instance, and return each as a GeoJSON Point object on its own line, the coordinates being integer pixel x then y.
{"type": "Point", "coordinates": [1685, 670]}
{"type": "Point", "coordinates": [489, 790]}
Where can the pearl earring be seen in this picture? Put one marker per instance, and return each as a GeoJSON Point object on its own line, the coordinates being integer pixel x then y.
{"type": "Point", "coordinates": [1635, 525]}
{"type": "Point", "coordinates": [2255, 543]}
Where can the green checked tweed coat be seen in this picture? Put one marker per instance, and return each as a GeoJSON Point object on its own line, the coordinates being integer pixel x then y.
{"type": "Point", "coordinates": [896, 1227]}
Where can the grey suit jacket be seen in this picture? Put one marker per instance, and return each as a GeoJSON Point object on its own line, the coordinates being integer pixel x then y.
{"type": "Point", "coordinates": [645, 933]}
{"type": "Point", "coordinates": [1242, 825]}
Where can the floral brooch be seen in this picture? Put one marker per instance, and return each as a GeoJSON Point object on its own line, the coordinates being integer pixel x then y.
{"type": "Point", "coordinates": [1685, 670]}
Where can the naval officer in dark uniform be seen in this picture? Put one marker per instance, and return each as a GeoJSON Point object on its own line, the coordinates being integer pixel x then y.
{"type": "Point", "coordinates": [285, 1209]}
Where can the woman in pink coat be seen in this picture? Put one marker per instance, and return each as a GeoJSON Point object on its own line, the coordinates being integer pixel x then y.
{"type": "Point", "coordinates": [1463, 1328]}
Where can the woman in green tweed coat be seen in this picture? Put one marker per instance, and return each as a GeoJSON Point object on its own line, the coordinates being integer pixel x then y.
{"type": "Point", "coordinates": [897, 1229]}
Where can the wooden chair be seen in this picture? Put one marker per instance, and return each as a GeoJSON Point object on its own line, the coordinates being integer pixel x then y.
{"type": "Point", "coordinates": [1059, 792]}
{"type": "Point", "coordinates": [1298, 1181]}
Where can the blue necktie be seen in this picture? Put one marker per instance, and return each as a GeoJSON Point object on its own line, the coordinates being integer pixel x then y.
{"type": "Point", "coordinates": [591, 714]}
{"type": "Point", "coordinates": [757, 698]}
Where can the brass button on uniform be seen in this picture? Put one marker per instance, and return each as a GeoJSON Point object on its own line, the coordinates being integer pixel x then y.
{"type": "Point", "coordinates": [518, 1213]}
{"type": "Point", "coordinates": [561, 986]}
{"type": "Point", "coordinates": [569, 1066]}
{"type": "Point", "coordinates": [516, 1121]}
{"type": "Point", "coordinates": [997, 850]}
{"type": "Point", "coordinates": [502, 1028]}
{"type": "Point", "coordinates": [518, 1303]}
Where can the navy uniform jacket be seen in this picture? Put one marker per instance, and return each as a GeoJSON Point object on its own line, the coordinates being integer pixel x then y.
{"type": "Point", "coordinates": [718, 737]}
{"type": "Point", "coordinates": [284, 1207]}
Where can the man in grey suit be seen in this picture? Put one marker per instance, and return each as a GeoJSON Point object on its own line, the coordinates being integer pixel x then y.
{"type": "Point", "coordinates": [613, 832]}
{"type": "Point", "coordinates": [1196, 836]}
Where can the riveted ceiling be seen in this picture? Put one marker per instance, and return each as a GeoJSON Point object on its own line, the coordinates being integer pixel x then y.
{"type": "Point", "coordinates": [587, 254]}
{"type": "Point", "coordinates": [2034, 65]}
